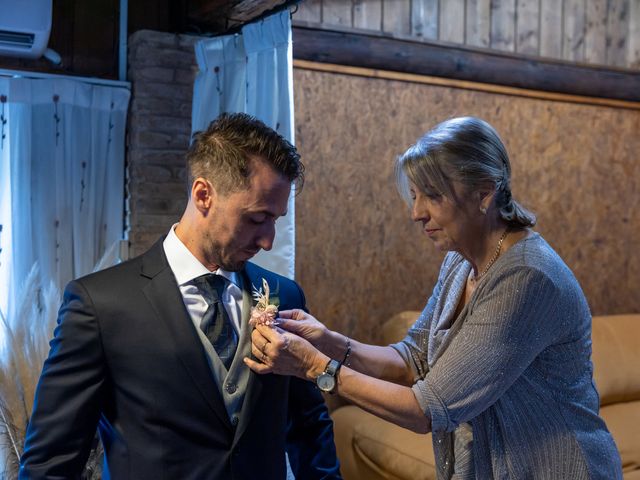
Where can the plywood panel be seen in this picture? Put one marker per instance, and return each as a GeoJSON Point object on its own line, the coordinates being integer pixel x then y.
{"type": "Point", "coordinates": [336, 12]}
{"type": "Point", "coordinates": [596, 32]}
{"type": "Point", "coordinates": [424, 19]}
{"type": "Point", "coordinates": [551, 28]}
{"type": "Point", "coordinates": [396, 16]}
{"type": "Point", "coordinates": [478, 20]}
{"type": "Point", "coordinates": [574, 29]}
{"type": "Point", "coordinates": [361, 259]}
{"type": "Point", "coordinates": [503, 22]}
{"type": "Point", "coordinates": [452, 23]}
{"type": "Point", "coordinates": [367, 14]}
{"type": "Point", "coordinates": [527, 26]}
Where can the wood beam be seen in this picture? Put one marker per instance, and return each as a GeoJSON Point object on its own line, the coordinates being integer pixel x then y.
{"type": "Point", "coordinates": [463, 63]}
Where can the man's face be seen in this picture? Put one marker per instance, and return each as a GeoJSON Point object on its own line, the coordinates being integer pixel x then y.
{"type": "Point", "coordinates": [241, 223]}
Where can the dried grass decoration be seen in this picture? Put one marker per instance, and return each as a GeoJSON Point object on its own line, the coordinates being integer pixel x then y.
{"type": "Point", "coordinates": [24, 351]}
{"type": "Point", "coordinates": [264, 312]}
{"type": "Point", "coordinates": [26, 336]}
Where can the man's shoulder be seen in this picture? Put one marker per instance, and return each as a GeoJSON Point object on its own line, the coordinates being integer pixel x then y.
{"type": "Point", "coordinates": [256, 273]}
{"type": "Point", "coordinates": [118, 273]}
{"type": "Point", "coordinates": [287, 291]}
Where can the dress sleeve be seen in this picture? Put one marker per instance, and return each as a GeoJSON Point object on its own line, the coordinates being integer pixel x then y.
{"type": "Point", "coordinates": [505, 329]}
{"type": "Point", "coordinates": [413, 348]}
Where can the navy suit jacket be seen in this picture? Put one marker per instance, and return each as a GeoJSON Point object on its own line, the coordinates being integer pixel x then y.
{"type": "Point", "coordinates": [126, 357]}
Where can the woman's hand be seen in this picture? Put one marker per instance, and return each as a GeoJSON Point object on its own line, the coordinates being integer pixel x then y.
{"type": "Point", "coordinates": [332, 344]}
{"type": "Point", "coordinates": [284, 353]}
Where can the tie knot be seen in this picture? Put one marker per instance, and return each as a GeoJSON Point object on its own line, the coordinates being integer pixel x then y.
{"type": "Point", "coordinates": [211, 286]}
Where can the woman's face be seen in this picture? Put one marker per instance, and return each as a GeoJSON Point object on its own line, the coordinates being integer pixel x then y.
{"type": "Point", "coordinates": [450, 225]}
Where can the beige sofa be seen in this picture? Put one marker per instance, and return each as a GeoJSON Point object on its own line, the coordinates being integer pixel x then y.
{"type": "Point", "coordinates": [371, 449]}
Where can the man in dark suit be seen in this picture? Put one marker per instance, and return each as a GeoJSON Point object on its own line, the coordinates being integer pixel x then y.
{"type": "Point", "coordinates": [151, 351]}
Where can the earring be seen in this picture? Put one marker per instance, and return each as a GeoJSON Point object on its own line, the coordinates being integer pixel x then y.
{"type": "Point", "coordinates": [483, 210]}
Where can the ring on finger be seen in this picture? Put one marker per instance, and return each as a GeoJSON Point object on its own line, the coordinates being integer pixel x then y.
{"type": "Point", "coordinates": [264, 357]}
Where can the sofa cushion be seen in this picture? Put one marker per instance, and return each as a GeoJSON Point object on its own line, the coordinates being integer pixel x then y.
{"type": "Point", "coordinates": [381, 449]}
{"type": "Point", "coordinates": [616, 356]}
{"type": "Point", "coordinates": [396, 328]}
{"type": "Point", "coordinates": [623, 421]}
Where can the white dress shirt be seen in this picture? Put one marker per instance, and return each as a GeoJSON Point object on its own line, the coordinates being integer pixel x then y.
{"type": "Point", "coordinates": [186, 268]}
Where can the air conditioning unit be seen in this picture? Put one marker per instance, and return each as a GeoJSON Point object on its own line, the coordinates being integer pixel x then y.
{"type": "Point", "coordinates": [25, 26]}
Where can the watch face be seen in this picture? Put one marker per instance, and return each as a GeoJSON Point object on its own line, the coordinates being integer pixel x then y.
{"type": "Point", "coordinates": [326, 382]}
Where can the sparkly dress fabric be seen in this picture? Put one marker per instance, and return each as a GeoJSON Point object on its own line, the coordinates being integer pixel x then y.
{"type": "Point", "coordinates": [508, 384]}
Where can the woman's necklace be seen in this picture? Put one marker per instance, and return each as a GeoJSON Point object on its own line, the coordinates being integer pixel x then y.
{"type": "Point", "coordinates": [474, 279]}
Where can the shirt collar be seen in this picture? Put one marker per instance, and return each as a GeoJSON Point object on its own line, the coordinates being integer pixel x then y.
{"type": "Point", "coordinates": [185, 265]}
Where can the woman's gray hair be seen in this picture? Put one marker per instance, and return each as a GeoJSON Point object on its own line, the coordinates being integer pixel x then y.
{"type": "Point", "coordinates": [466, 150]}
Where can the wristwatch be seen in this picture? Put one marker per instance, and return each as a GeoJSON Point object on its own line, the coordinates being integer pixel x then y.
{"type": "Point", "coordinates": [326, 381]}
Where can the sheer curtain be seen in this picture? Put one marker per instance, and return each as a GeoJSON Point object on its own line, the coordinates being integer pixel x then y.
{"type": "Point", "coordinates": [251, 72]}
{"type": "Point", "coordinates": [62, 178]}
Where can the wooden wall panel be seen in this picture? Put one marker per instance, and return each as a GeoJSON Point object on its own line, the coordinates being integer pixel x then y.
{"type": "Point", "coordinates": [574, 30]}
{"type": "Point", "coordinates": [424, 19]}
{"type": "Point", "coordinates": [336, 12]}
{"type": "Point", "coordinates": [595, 39]}
{"type": "Point", "coordinates": [551, 28]}
{"type": "Point", "coordinates": [503, 14]}
{"type": "Point", "coordinates": [367, 14]}
{"type": "Point", "coordinates": [601, 32]}
{"type": "Point", "coordinates": [359, 256]}
{"type": "Point", "coordinates": [452, 21]}
{"type": "Point", "coordinates": [527, 26]}
{"type": "Point", "coordinates": [633, 59]}
{"type": "Point", "coordinates": [397, 16]}
{"type": "Point", "coordinates": [617, 31]}
{"type": "Point", "coordinates": [478, 20]}
{"type": "Point", "coordinates": [309, 11]}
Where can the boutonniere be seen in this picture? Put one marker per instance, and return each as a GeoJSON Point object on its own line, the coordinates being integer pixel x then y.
{"type": "Point", "coordinates": [265, 310]}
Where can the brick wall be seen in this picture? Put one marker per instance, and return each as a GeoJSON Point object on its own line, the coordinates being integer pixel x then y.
{"type": "Point", "coordinates": [162, 68]}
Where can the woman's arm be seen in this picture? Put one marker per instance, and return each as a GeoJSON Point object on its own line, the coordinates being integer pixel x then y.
{"type": "Point", "coordinates": [375, 361]}
{"type": "Point", "coordinates": [392, 402]}
{"type": "Point", "coordinates": [381, 362]}
{"type": "Point", "coordinates": [287, 354]}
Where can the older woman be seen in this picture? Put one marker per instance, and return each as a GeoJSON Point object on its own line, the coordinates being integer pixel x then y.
{"type": "Point", "coordinates": [498, 364]}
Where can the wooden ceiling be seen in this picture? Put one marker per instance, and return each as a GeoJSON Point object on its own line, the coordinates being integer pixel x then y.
{"type": "Point", "coordinates": [220, 16]}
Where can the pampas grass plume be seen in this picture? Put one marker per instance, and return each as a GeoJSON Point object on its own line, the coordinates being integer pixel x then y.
{"type": "Point", "coordinates": [21, 359]}
{"type": "Point", "coordinates": [26, 337]}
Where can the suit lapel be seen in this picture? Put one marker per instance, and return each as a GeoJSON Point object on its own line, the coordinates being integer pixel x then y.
{"type": "Point", "coordinates": [164, 295]}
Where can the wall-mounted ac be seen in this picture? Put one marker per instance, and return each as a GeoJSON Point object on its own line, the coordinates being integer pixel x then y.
{"type": "Point", "coordinates": [25, 26]}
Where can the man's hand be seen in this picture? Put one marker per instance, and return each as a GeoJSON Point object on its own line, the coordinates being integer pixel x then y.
{"type": "Point", "coordinates": [284, 353]}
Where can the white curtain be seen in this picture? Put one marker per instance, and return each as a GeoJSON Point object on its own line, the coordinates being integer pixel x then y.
{"type": "Point", "coordinates": [251, 72]}
{"type": "Point", "coordinates": [62, 178]}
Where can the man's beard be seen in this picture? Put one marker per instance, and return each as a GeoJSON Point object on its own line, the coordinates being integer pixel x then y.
{"type": "Point", "coordinates": [229, 265]}
{"type": "Point", "coordinates": [234, 266]}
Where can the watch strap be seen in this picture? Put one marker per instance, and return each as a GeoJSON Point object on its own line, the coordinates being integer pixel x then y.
{"type": "Point", "coordinates": [332, 367]}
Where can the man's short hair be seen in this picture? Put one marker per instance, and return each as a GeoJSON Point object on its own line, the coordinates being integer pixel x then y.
{"type": "Point", "coordinates": [223, 152]}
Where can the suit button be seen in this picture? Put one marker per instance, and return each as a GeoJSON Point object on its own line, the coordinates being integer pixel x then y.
{"type": "Point", "coordinates": [234, 421]}
{"type": "Point", "coordinates": [231, 388]}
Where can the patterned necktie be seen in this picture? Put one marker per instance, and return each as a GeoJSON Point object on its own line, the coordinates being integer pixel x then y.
{"type": "Point", "coordinates": [216, 323]}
